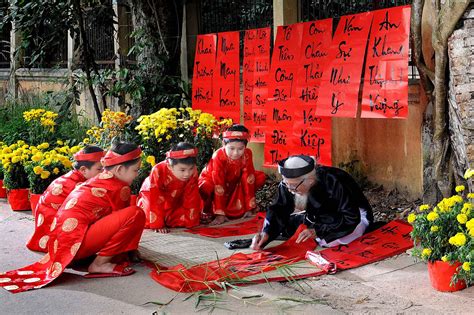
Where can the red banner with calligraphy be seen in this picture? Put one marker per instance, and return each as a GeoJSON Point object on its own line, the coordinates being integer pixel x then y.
{"type": "Point", "coordinates": [227, 77]}
{"type": "Point", "coordinates": [385, 93]}
{"type": "Point", "coordinates": [203, 73]}
{"type": "Point", "coordinates": [282, 93]}
{"type": "Point", "coordinates": [255, 78]}
{"type": "Point", "coordinates": [340, 83]}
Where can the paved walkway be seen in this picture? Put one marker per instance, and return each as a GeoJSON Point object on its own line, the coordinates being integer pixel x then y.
{"type": "Point", "coordinates": [396, 285]}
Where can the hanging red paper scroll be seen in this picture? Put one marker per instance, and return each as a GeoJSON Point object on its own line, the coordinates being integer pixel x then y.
{"type": "Point", "coordinates": [312, 134]}
{"type": "Point", "coordinates": [227, 77]}
{"type": "Point", "coordinates": [255, 77]}
{"type": "Point", "coordinates": [385, 92]}
{"type": "Point", "coordinates": [203, 73]}
{"type": "Point", "coordinates": [282, 93]}
{"type": "Point", "coordinates": [340, 83]}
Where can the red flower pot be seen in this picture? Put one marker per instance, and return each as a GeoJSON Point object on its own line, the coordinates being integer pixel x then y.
{"type": "Point", "coordinates": [34, 199]}
{"type": "Point", "coordinates": [133, 200]}
{"type": "Point", "coordinates": [440, 275]}
{"type": "Point", "coordinates": [18, 199]}
{"type": "Point", "coordinates": [3, 191]}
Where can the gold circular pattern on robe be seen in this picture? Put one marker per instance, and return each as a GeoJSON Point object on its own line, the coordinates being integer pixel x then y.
{"type": "Point", "coordinates": [43, 242]}
{"type": "Point", "coordinates": [238, 204]}
{"type": "Point", "coordinates": [106, 175]}
{"type": "Point", "coordinates": [11, 287]}
{"type": "Point", "coordinates": [75, 248]}
{"type": "Point", "coordinates": [173, 193]}
{"type": "Point", "coordinates": [69, 224]}
{"type": "Point", "coordinates": [153, 217]}
{"type": "Point", "coordinates": [31, 280]}
{"type": "Point", "coordinates": [53, 225]}
{"type": "Point", "coordinates": [161, 199]}
{"type": "Point", "coordinates": [55, 246]}
{"type": "Point", "coordinates": [252, 202]}
{"type": "Point", "coordinates": [5, 280]}
{"type": "Point", "coordinates": [219, 190]}
{"type": "Point", "coordinates": [56, 269]}
{"type": "Point", "coordinates": [57, 190]}
{"type": "Point", "coordinates": [25, 272]}
{"type": "Point", "coordinates": [98, 192]}
{"type": "Point", "coordinates": [71, 203]}
{"type": "Point", "coordinates": [251, 179]}
{"type": "Point", "coordinates": [55, 205]}
{"type": "Point", "coordinates": [39, 220]}
{"type": "Point", "coordinates": [191, 213]}
{"type": "Point", "coordinates": [45, 259]}
{"type": "Point", "coordinates": [125, 193]}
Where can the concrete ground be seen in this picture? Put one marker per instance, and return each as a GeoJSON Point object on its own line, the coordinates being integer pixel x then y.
{"type": "Point", "coordinates": [396, 285]}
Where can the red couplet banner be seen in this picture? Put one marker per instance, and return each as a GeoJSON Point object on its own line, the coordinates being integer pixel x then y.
{"type": "Point", "coordinates": [255, 77]}
{"type": "Point", "coordinates": [311, 134]}
{"type": "Point", "coordinates": [385, 92]}
{"type": "Point", "coordinates": [227, 77]}
{"type": "Point", "coordinates": [282, 92]}
{"type": "Point", "coordinates": [340, 84]}
{"type": "Point", "coordinates": [203, 73]}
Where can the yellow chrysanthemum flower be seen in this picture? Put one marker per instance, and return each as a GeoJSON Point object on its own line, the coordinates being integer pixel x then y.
{"type": "Point", "coordinates": [45, 174]}
{"type": "Point", "coordinates": [426, 252]}
{"type": "Point", "coordinates": [470, 224]}
{"type": "Point", "coordinates": [432, 216]}
{"type": "Point", "coordinates": [424, 207]}
{"type": "Point", "coordinates": [37, 170]}
{"type": "Point", "coordinates": [462, 218]}
{"type": "Point", "coordinates": [444, 258]}
{"type": "Point", "coordinates": [466, 266]}
{"type": "Point", "coordinates": [458, 240]}
{"type": "Point", "coordinates": [411, 218]}
{"type": "Point", "coordinates": [460, 188]}
{"type": "Point", "coordinates": [56, 171]}
{"type": "Point", "coordinates": [468, 174]}
{"type": "Point", "coordinates": [151, 160]}
{"type": "Point", "coordinates": [434, 228]}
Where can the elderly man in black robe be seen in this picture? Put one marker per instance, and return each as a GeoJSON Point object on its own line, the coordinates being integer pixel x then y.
{"type": "Point", "coordinates": [326, 199]}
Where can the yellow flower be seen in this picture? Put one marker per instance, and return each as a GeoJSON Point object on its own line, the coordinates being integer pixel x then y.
{"type": "Point", "coordinates": [470, 195]}
{"type": "Point", "coordinates": [46, 162]}
{"type": "Point", "coordinates": [151, 160]}
{"type": "Point", "coordinates": [460, 188]}
{"type": "Point", "coordinates": [45, 174]}
{"type": "Point", "coordinates": [444, 258]}
{"type": "Point", "coordinates": [16, 159]}
{"type": "Point", "coordinates": [37, 170]}
{"type": "Point", "coordinates": [60, 142]}
{"type": "Point", "coordinates": [411, 218]}
{"type": "Point", "coordinates": [466, 266]}
{"type": "Point", "coordinates": [426, 252]}
{"type": "Point", "coordinates": [56, 171]}
{"type": "Point", "coordinates": [462, 218]}
{"type": "Point", "coordinates": [432, 216]}
{"type": "Point", "coordinates": [434, 228]}
{"type": "Point", "coordinates": [468, 174]}
{"type": "Point", "coordinates": [36, 158]}
{"type": "Point", "coordinates": [470, 224]}
{"type": "Point", "coordinates": [424, 207]}
{"type": "Point", "coordinates": [458, 240]}
{"type": "Point", "coordinates": [471, 232]}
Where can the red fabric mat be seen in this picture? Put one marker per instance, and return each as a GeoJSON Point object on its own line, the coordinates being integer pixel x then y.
{"type": "Point", "coordinates": [243, 228]}
{"type": "Point", "coordinates": [389, 240]}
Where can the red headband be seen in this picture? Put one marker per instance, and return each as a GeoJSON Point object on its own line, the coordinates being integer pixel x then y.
{"type": "Point", "coordinates": [112, 158]}
{"type": "Point", "coordinates": [182, 154]}
{"type": "Point", "coordinates": [93, 157]}
{"type": "Point", "coordinates": [241, 135]}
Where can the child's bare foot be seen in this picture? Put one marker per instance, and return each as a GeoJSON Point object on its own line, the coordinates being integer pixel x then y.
{"type": "Point", "coordinates": [101, 268]}
{"type": "Point", "coordinates": [163, 230]}
{"type": "Point", "coordinates": [218, 220]}
{"type": "Point", "coordinates": [251, 213]}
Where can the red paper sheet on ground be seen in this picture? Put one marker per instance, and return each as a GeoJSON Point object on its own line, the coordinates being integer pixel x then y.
{"type": "Point", "coordinates": [244, 228]}
{"type": "Point", "coordinates": [203, 73]}
{"type": "Point", "coordinates": [385, 93]}
{"type": "Point", "coordinates": [255, 77]}
{"type": "Point", "coordinates": [282, 93]}
{"type": "Point", "coordinates": [340, 83]}
{"type": "Point", "coordinates": [227, 77]}
{"type": "Point", "coordinates": [389, 240]}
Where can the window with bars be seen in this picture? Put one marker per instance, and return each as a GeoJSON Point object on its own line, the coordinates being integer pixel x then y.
{"type": "Point", "coordinates": [311, 10]}
{"type": "Point", "coordinates": [4, 38]}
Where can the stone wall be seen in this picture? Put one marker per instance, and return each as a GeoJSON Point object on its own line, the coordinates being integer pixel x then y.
{"type": "Point", "coordinates": [461, 91]}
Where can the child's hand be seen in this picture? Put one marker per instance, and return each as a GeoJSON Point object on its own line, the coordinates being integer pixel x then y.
{"type": "Point", "coordinates": [218, 220]}
{"type": "Point", "coordinates": [163, 230]}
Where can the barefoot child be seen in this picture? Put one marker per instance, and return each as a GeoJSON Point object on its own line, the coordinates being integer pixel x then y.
{"type": "Point", "coordinates": [95, 219]}
{"type": "Point", "coordinates": [87, 165]}
{"type": "Point", "coordinates": [229, 181]}
{"type": "Point", "coordinates": [170, 194]}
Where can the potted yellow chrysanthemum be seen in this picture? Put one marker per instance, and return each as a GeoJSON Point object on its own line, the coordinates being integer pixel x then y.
{"type": "Point", "coordinates": [443, 236]}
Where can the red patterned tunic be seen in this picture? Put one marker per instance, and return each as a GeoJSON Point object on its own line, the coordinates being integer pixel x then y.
{"type": "Point", "coordinates": [89, 202]}
{"type": "Point", "coordinates": [48, 206]}
{"type": "Point", "coordinates": [233, 183]}
{"type": "Point", "coordinates": [168, 201]}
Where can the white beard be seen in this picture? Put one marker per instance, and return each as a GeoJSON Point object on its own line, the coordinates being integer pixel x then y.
{"type": "Point", "coordinates": [300, 202]}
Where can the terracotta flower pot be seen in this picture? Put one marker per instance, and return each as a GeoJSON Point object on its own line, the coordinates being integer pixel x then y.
{"type": "Point", "coordinates": [133, 200]}
{"type": "Point", "coordinates": [3, 191]}
{"type": "Point", "coordinates": [440, 275]}
{"type": "Point", "coordinates": [34, 199]}
{"type": "Point", "coordinates": [18, 199]}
